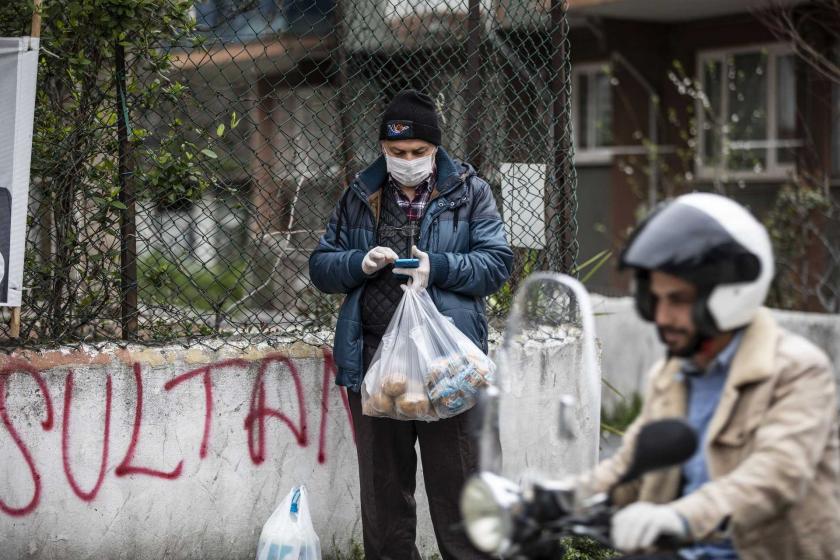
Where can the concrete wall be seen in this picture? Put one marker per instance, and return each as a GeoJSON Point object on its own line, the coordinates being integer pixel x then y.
{"type": "Point", "coordinates": [630, 346]}
{"type": "Point", "coordinates": [169, 453]}
{"type": "Point", "coordinates": [183, 453]}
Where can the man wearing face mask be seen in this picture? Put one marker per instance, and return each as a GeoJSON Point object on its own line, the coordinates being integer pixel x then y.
{"type": "Point", "coordinates": [414, 201]}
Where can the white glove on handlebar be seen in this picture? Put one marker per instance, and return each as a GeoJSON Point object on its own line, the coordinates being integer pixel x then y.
{"type": "Point", "coordinates": [637, 526]}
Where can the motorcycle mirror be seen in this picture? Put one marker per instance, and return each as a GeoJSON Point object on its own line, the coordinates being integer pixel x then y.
{"type": "Point", "coordinates": [661, 444]}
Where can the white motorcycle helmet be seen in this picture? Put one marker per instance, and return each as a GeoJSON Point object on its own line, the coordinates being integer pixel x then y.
{"type": "Point", "coordinates": [713, 243]}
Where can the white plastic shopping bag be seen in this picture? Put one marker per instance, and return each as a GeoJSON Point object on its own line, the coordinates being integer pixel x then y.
{"type": "Point", "coordinates": [425, 368]}
{"type": "Point", "coordinates": [288, 534]}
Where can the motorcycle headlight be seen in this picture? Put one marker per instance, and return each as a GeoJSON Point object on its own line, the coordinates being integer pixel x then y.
{"type": "Point", "coordinates": [488, 503]}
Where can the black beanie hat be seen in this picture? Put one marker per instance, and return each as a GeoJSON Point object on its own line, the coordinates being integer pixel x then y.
{"type": "Point", "coordinates": [410, 115]}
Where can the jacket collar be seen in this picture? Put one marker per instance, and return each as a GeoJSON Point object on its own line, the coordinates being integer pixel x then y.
{"type": "Point", "coordinates": [754, 360]}
{"type": "Point", "coordinates": [753, 363]}
{"type": "Point", "coordinates": [450, 173]}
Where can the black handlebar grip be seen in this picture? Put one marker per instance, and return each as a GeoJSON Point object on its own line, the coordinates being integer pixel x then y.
{"type": "Point", "coordinates": [546, 505]}
{"type": "Point", "coordinates": [668, 542]}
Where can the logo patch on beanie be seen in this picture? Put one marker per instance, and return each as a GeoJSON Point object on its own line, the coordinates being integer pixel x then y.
{"type": "Point", "coordinates": [399, 129]}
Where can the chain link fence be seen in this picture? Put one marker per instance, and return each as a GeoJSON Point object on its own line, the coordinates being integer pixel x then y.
{"type": "Point", "coordinates": [187, 156]}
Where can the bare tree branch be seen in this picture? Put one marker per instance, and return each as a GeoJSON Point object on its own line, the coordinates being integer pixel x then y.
{"type": "Point", "coordinates": [792, 24]}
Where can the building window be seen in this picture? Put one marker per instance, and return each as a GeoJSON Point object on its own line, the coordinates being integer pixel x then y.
{"type": "Point", "coordinates": [746, 116]}
{"type": "Point", "coordinates": [592, 112]}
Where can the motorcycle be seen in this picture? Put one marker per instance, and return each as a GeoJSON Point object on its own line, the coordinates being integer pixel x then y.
{"type": "Point", "coordinates": [505, 519]}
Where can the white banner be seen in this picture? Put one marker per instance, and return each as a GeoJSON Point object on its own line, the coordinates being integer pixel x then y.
{"type": "Point", "coordinates": [18, 73]}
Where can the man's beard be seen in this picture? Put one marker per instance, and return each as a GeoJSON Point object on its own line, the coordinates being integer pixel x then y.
{"type": "Point", "coordinates": [693, 345]}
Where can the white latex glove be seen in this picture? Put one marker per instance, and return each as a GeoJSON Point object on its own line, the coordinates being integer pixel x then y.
{"type": "Point", "coordinates": [637, 526]}
{"type": "Point", "coordinates": [377, 259]}
{"type": "Point", "coordinates": [419, 277]}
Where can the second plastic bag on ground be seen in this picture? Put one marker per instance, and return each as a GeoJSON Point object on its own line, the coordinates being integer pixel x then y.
{"type": "Point", "coordinates": [425, 368]}
{"type": "Point", "coordinates": [288, 534]}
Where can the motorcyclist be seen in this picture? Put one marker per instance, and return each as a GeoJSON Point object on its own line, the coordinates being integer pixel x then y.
{"type": "Point", "coordinates": [765, 480]}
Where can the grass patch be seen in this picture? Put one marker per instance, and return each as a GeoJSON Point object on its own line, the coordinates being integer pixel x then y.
{"type": "Point", "coordinates": [618, 419]}
{"type": "Point", "coordinates": [584, 548]}
{"type": "Point", "coordinates": [354, 552]}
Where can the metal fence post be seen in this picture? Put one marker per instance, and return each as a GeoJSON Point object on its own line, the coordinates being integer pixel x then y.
{"type": "Point", "coordinates": [474, 86]}
{"type": "Point", "coordinates": [560, 223]}
{"type": "Point", "coordinates": [128, 226]}
{"type": "Point", "coordinates": [345, 148]}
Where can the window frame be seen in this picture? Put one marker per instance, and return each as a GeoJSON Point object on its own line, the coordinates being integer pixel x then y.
{"type": "Point", "coordinates": [773, 169]}
{"type": "Point", "coordinates": [591, 154]}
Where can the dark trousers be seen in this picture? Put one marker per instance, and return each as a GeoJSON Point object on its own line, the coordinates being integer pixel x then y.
{"type": "Point", "coordinates": [387, 476]}
{"type": "Point", "coordinates": [388, 473]}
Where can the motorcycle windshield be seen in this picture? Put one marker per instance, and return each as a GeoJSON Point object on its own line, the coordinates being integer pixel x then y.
{"type": "Point", "coordinates": [542, 415]}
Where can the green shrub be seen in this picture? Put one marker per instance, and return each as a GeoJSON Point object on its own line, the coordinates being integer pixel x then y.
{"type": "Point", "coordinates": [189, 283]}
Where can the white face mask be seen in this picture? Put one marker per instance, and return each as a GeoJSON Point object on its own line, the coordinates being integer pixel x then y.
{"type": "Point", "coordinates": [410, 173]}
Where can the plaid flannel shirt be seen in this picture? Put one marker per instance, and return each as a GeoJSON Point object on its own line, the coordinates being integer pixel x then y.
{"type": "Point", "coordinates": [415, 207]}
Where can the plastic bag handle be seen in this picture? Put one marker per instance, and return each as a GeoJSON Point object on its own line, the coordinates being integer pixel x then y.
{"type": "Point", "coordinates": [295, 500]}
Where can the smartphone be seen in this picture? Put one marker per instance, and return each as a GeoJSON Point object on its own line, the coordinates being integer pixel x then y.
{"type": "Point", "coordinates": [407, 263]}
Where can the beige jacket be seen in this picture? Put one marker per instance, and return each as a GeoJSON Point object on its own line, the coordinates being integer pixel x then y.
{"type": "Point", "coordinates": [771, 448]}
